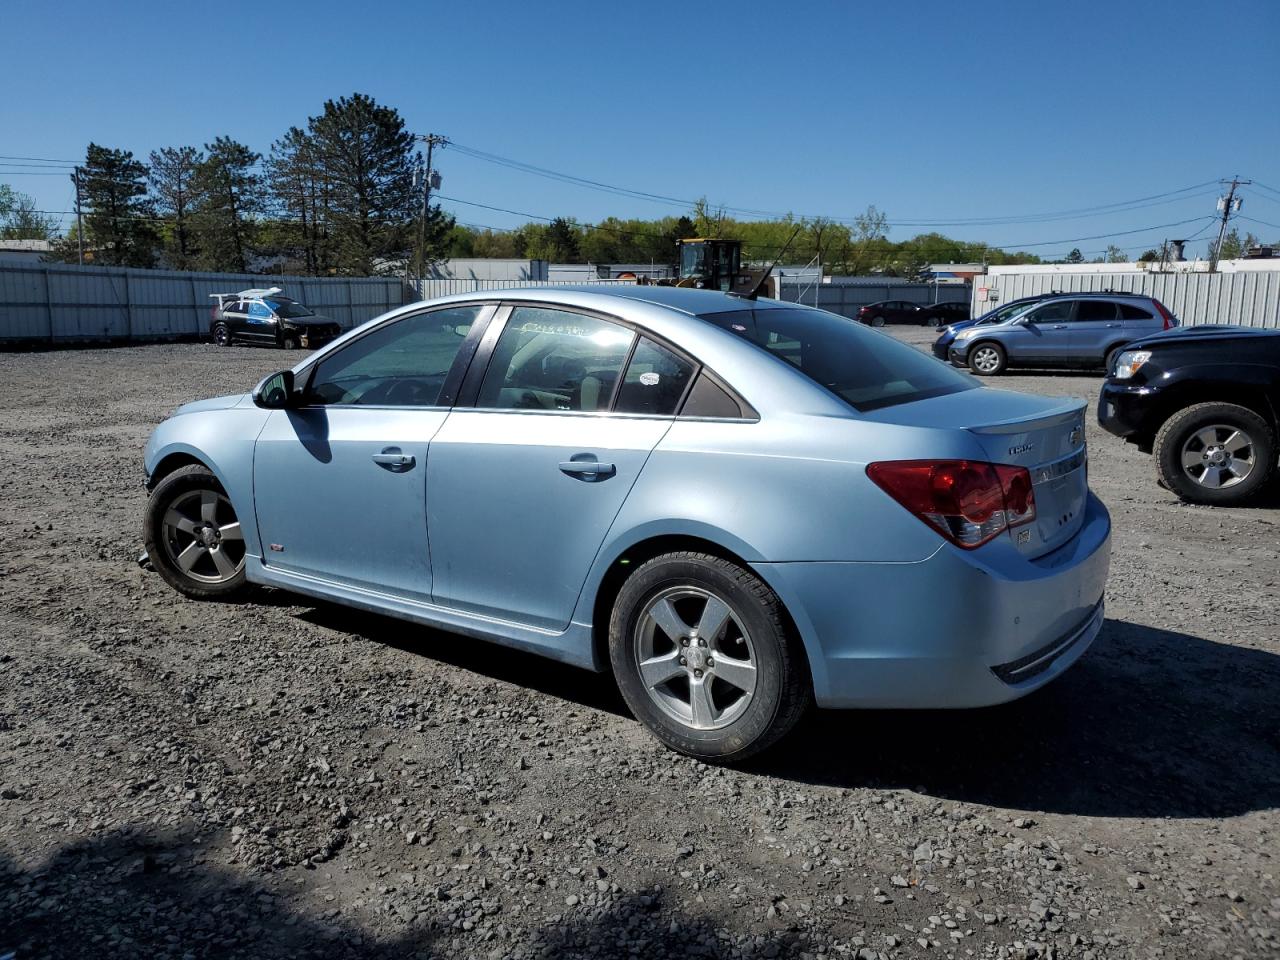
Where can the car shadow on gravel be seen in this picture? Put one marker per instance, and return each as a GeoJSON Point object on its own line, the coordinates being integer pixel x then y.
{"type": "Point", "coordinates": [140, 894]}
{"type": "Point", "coordinates": [164, 894]}
{"type": "Point", "coordinates": [1149, 723]}
{"type": "Point", "coordinates": [583, 687]}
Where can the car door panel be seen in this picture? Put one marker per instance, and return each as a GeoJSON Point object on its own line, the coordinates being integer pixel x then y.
{"type": "Point", "coordinates": [1095, 326]}
{"type": "Point", "coordinates": [1045, 334]}
{"type": "Point", "coordinates": [340, 493]}
{"type": "Point", "coordinates": [514, 521]}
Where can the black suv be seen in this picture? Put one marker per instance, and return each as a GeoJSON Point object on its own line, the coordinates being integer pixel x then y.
{"type": "Point", "coordinates": [267, 316]}
{"type": "Point", "coordinates": [1205, 401]}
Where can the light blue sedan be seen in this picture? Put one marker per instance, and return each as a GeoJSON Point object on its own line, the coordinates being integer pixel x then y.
{"type": "Point", "coordinates": [741, 507]}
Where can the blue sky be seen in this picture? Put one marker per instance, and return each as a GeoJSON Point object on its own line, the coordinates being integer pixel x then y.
{"type": "Point", "coordinates": [931, 111]}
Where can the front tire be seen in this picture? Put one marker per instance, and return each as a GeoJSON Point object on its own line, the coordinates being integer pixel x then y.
{"type": "Point", "coordinates": [1215, 453]}
{"type": "Point", "coordinates": [987, 359]}
{"type": "Point", "coordinates": [193, 536]}
{"type": "Point", "coordinates": [704, 657]}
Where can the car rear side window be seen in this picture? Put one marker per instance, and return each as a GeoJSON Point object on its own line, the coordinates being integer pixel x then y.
{"type": "Point", "coordinates": [547, 359]}
{"type": "Point", "coordinates": [1093, 310]}
{"type": "Point", "coordinates": [708, 400]}
{"type": "Point", "coordinates": [656, 380]}
{"type": "Point", "coordinates": [400, 364]}
{"type": "Point", "coordinates": [1058, 311]}
{"type": "Point", "coordinates": [867, 370]}
{"type": "Point", "coordinates": [1129, 312]}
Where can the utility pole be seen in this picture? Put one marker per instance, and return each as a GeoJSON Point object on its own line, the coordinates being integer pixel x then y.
{"type": "Point", "coordinates": [430, 179]}
{"type": "Point", "coordinates": [79, 221]}
{"type": "Point", "coordinates": [1228, 205]}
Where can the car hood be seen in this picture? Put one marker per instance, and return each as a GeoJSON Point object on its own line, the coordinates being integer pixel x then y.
{"type": "Point", "coordinates": [214, 403]}
{"type": "Point", "coordinates": [1201, 334]}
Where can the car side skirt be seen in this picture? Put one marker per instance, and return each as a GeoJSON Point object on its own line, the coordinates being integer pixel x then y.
{"type": "Point", "coordinates": [572, 646]}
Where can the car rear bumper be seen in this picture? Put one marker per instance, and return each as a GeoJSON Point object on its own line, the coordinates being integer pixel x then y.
{"type": "Point", "coordinates": [959, 629]}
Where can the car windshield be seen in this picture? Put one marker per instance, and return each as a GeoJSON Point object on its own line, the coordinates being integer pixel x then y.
{"type": "Point", "coordinates": [289, 309]}
{"type": "Point", "coordinates": [866, 369]}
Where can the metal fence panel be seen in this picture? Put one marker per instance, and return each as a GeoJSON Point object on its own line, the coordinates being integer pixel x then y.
{"type": "Point", "coordinates": [1247, 298]}
{"type": "Point", "coordinates": [847, 298]}
{"type": "Point", "coordinates": [63, 302]}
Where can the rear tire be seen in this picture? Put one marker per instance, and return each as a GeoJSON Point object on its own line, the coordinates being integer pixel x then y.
{"type": "Point", "coordinates": [987, 359]}
{"type": "Point", "coordinates": [222, 335]}
{"type": "Point", "coordinates": [193, 535]}
{"type": "Point", "coordinates": [877, 321]}
{"type": "Point", "coordinates": [743, 683]}
{"type": "Point", "coordinates": [1215, 453]}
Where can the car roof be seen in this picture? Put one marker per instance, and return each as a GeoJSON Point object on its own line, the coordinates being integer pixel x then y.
{"type": "Point", "coordinates": [683, 299]}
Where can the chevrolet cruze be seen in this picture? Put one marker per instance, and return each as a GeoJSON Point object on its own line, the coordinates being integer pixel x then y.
{"type": "Point", "coordinates": [739, 507]}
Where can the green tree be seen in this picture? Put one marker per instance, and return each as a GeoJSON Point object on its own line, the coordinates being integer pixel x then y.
{"type": "Point", "coordinates": [1116, 255]}
{"type": "Point", "coordinates": [1232, 246]}
{"type": "Point", "coordinates": [301, 199]}
{"type": "Point", "coordinates": [365, 155]}
{"type": "Point", "coordinates": [118, 218]}
{"type": "Point", "coordinates": [230, 198]}
{"type": "Point", "coordinates": [172, 179]}
{"type": "Point", "coordinates": [1149, 256]}
{"type": "Point", "coordinates": [19, 218]}
{"type": "Point", "coordinates": [1075, 256]}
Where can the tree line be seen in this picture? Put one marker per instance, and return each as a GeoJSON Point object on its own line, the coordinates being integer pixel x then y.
{"type": "Point", "coordinates": [338, 196]}
{"type": "Point", "coordinates": [341, 195]}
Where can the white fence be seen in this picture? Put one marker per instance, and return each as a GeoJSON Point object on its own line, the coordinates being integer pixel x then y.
{"type": "Point", "coordinates": [1250, 299]}
{"type": "Point", "coordinates": [430, 289]}
{"type": "Point", "coordinates": [55, 302]}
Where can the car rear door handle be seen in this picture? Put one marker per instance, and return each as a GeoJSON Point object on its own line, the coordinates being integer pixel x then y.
{"type": "Point", "coordinates": [587, 468]}
{"type": "Point", "coordinates": [1113, 324]}
{"type": "Point", "coordinates": [392, 459]}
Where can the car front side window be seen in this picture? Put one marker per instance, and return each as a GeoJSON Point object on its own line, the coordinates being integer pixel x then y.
{"type": "Point", "coordinates": [400, 364]}
{"type": "Point", "coordinates": [1058, 312]}
{"type": "Point", "coordinates": [548, 359]}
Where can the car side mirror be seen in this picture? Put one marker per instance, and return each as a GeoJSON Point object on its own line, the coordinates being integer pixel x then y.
{"type": "Point", "coordinates": [275, 392]}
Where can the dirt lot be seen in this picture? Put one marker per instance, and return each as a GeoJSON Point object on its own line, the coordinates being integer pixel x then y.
{"type": "Point", "coordinates": [276, 778]}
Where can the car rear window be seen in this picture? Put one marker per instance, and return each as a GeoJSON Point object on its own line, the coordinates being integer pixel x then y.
{"type": "Point", "coordinates": [866, 369]}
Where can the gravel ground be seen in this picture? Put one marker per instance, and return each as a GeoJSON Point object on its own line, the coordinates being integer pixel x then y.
{"type": "Point", "coordinates": [277, 778]}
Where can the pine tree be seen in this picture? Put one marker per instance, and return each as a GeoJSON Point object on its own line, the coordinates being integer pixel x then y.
{"type": "Point", "coordinates": [117, 215]}
{"type": "Point", "coordinates": [173, 172]}
{"type": "Point", "coordinates": [366, 160]}
{"type": "Point", "coordinates": [230, 198]}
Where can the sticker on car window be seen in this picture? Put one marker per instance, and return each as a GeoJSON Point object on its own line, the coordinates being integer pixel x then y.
{"type": "Point", "coordinates": [649, 378]}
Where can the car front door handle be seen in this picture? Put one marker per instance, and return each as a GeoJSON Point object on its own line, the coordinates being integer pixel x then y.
{"type": "Point", "coordinates": [1059, 326]}
{"type": "Point", "coordinates": [587, 469]}
{"type": "Point", "coordinates": [1113, 324]}
{"type": "Point", "coordinates": [392, 459]}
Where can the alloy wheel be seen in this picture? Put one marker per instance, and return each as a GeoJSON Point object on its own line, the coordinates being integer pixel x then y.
{"type": "Point", "coordinates": [695, 658]}
{"type": "Point", "coordinates": [202, 536]}
{"type": "Point", "coordinates": [986, 359]}
{"type": "Point", "coordinates": [1218, 456]}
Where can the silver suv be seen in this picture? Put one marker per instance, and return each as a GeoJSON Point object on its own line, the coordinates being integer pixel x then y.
{"type": "Point", "coordinates": [1072, 330]}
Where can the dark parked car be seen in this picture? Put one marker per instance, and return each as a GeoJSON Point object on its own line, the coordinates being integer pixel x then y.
{"type": "Point", "coordinates": [941, 314]}
{"type": "Point", "coordinates": [1206, 402]}
{"type": "Point", "coordinates": [890, 311]}
{"type": "Point", "coordinates": [267, 316]}
{"type": "Point", "coordinates": [942, 345]}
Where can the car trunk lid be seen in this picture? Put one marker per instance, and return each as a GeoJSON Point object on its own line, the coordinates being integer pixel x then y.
{"type": "Point", "coordinates": [1045, 435]}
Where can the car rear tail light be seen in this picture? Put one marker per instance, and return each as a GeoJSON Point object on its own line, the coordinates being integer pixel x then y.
{"type": "Point", "coordinates": [1169, 320]}
{"type": "Point", "coordinates": [967, 501]}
